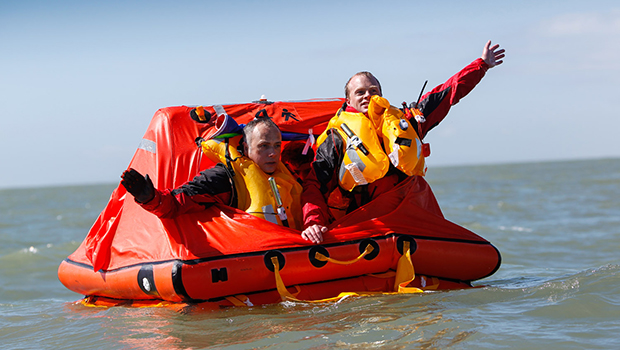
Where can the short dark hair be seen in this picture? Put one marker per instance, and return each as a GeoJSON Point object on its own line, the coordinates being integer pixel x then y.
{"type": "Point", "coordinates": [249, 127]}
{"type": "Point", "coordinates": [367, 75]}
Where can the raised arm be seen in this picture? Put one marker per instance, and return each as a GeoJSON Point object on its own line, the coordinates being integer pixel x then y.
{"type": "Point", "coordinates": [436, 104]}
{"type": "Point", "coordinates": [207, 188]}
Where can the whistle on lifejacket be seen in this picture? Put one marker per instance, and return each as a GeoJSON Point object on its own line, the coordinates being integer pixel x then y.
{"type": "Point", "coordinates": [403, 122]}
{"type": "Point", "coordinates": [418, 116]}
{"type": "Point", "coordinates": [276, 194]}
{"type": "Point", "coordinates": [353, 139]}
{"type": "Point", "coordinates": [414, 112]}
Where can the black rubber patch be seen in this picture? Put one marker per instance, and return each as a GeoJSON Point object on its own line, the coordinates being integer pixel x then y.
{"type": "Point", "coordinates": [268, 262]}
{"type": "Point", "coordinates": [312, 256]}
{"type": "Point", "coordinates": [375, 250]}
{"type": "Point", "coordinates": [413, 246]}
{"type": "Point", "coordinates": [195, 117]}
{"type": "Point", "coordinates": [146, 281]}
{"type": "Point", "coordinates": [177, 280]}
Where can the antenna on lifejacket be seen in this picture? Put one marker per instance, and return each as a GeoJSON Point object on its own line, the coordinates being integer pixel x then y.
{"type": "Point", "coordinates": [421, 92]}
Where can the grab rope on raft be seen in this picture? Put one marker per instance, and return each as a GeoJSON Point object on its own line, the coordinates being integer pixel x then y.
{"type": "Point", "coordinates": [405, 273]}
{"type": "Point", "coordinates": [403, 276]}
{"type": "Point", "coordinates": [321, 257]}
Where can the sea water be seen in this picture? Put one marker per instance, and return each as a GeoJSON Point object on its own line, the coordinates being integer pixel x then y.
{"type": "Point", "coordinates": [557, 225]}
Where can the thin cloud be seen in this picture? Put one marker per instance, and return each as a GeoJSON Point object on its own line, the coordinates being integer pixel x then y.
{"type": "Point", "coordinates": [577, 42]}
{"type": "Point", "coordinates": [578, 24]}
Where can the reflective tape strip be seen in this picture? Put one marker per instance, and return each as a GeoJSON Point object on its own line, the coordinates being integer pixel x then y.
{"type": "Point", "coordinates": [394, 155]}
{"type": "Point", "coordinates": [355, 168]}
{"type": "Point", "coordinates": [148, 145]}
{"type": "Point", "coordinates": [418, 144]}
{"type": "Point", "coordinates": [270, 214]}
{"type": "Point", "coordinates": [219, 109]}
{"type": "Point", "coordinates": [355, 158]}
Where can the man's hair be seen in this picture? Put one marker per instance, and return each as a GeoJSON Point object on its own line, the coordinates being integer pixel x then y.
{"type": "Point", "coordinates": [367, 75]}
{"type": "Point", "coordinates": [292, 153]}
{"type": "Point", "coordinates": [249, 127]}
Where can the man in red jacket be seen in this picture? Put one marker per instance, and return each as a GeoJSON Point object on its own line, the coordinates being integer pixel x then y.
{"type": "Point", "coordinates": [324, 181]}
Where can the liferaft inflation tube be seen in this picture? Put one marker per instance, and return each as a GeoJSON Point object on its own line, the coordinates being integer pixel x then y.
{"type": "Point", "coordinates": [226, 256]}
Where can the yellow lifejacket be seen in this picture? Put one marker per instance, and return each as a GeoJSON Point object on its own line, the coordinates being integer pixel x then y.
{"type": "Point", "coordinates": [215, 149]}
{"type": "Point", "coordinates": [382, 127]}
{"type": "Point", "coordinates": [400, 140]}
{"type": "Point", "coordinates": [254, 194]}
{"type": "Point", "coordinates": [358, 167]}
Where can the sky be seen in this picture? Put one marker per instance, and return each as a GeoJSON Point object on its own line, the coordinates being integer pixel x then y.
{"type": "Point", "coordinates": [81, 80]}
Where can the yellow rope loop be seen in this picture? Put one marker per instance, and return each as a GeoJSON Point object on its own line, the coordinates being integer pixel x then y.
{"type": "Point", "coordinates": [322, 257]}
{"type": "Point", "coordinates": [405, 272]}
{"type": "Point", "coordinates": [284, 294]}
{"type": "Point", "coordinates": [404, 275]}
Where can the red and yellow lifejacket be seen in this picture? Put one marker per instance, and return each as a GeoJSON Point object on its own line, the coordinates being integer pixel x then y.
{"type": "Point", "coordinates": [386, 136]}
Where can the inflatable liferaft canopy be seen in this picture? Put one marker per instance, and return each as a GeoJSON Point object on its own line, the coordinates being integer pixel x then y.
{"type": "Point", "coordinates": [131, 254]}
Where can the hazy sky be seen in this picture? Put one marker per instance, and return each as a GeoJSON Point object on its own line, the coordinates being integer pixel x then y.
{"type": "Point", "coordinates": [80, 80]}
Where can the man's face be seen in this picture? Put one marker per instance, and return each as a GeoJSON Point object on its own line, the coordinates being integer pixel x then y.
{"type": "Point", "coordinates": [265, 147]}
{"type": "Point", "coordinates": [361, 88]}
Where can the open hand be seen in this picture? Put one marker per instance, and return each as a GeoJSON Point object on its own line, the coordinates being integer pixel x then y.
{"type": "Point", "coordinates": [314, 233]}
{"type": "Point", "coordinates": [492, 55]}
{"type": "Point", "coordinates": [139, 186]}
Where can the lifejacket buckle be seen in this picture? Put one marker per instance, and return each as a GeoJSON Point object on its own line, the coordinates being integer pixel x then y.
{"type": "Point", "coordinates": [354, 140]}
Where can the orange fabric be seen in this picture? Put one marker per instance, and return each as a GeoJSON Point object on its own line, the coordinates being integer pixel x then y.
{"type": "Point", "coordinates": [125, 234]}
